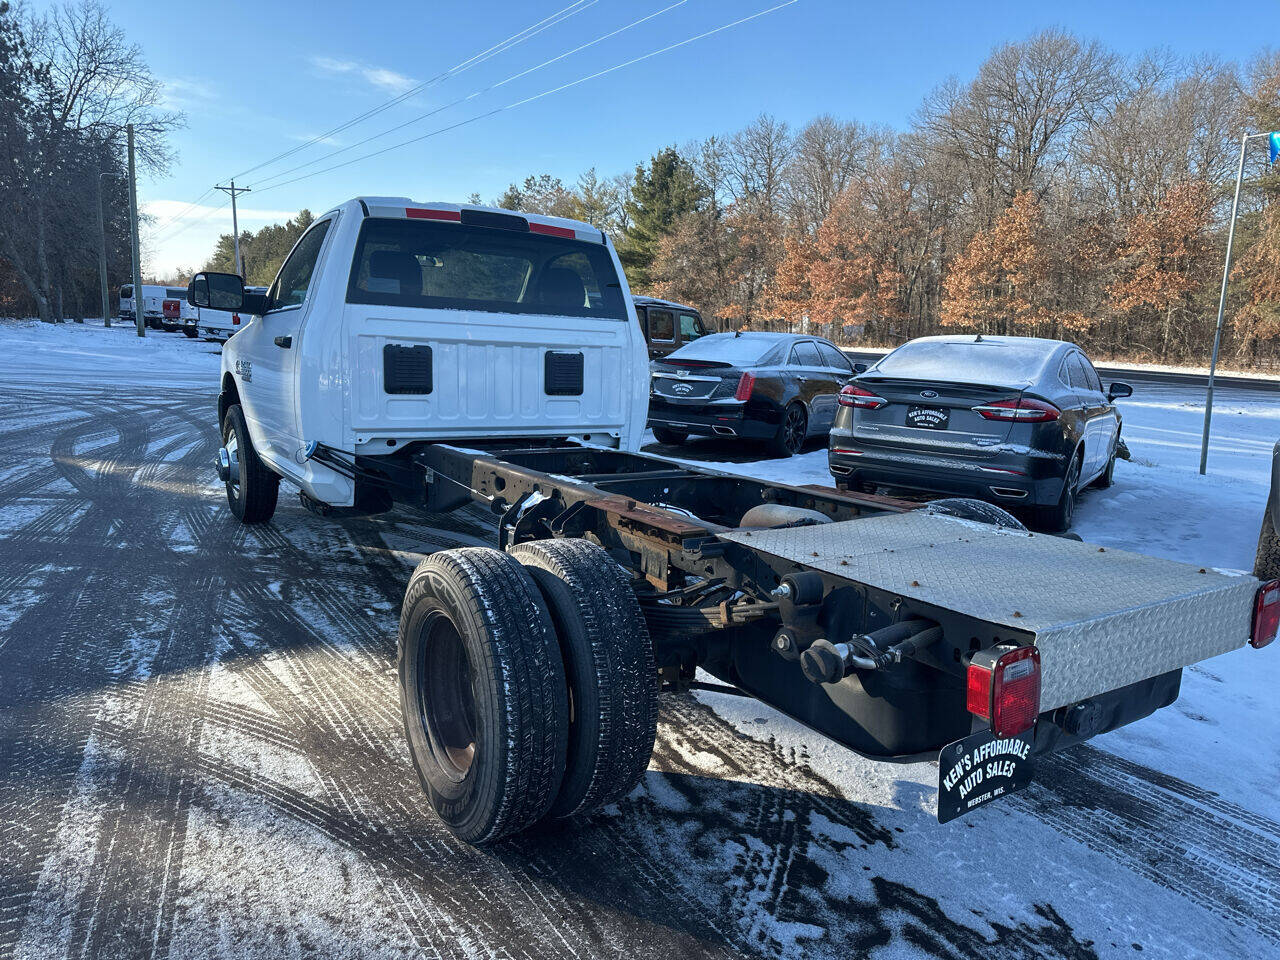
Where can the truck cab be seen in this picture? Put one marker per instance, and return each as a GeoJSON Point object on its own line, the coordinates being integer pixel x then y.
{"type": "Point", "coordinates": [394, 322]}
{"type": "Point", "coordinates": [667, 325]}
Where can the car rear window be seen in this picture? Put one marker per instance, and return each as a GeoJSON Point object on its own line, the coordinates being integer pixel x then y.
{"type": "Point", "coordinates": [965, 361]}
{"type": "Point", "coordinates": [740, 351]}
{"type": "Point", "coordinates": [411, 263]}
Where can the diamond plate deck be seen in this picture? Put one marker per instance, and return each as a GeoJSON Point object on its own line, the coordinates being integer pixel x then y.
{"type": "Point", "coordinates": [1102, 619]}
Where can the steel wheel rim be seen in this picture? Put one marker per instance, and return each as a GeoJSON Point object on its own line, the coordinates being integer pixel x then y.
{"type": "Point", "coordinates": [233, 455]}
{"type": "Point", "coordinates": [446, 699]}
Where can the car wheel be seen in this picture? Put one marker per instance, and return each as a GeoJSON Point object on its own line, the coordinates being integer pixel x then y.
{"type": "Point", "coordinates": [1267, 564]}
{"type": "Point", "coordinates": [792, 432]}
{"type": "Point", "coordinates": [192, 334]}
{"type": "Point", "coordinates": [252, 489]}
{"type": "Point", "coordinates": [669, 436]}
{"type": "Point", "coordinates": [482, 691]}
{"type": "Point", "coordinates": [1057, 517]}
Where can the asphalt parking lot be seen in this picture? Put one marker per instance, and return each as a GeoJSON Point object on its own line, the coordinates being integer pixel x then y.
{"type": "Point", "coordinates": [201, 755]}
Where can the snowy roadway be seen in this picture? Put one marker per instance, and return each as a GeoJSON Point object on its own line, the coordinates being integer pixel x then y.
{"type": "Point", "coordinates": [201, 752]}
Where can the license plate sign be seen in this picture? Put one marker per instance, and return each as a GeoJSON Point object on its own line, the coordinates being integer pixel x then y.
{"type": "Point", "coordinates": [931, 418]}
{"type": "Point", "coordinates": [981, 768]}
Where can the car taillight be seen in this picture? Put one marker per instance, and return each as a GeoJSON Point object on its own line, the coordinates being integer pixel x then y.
{"type": "Point", "coordinates": [1266, 614]}
{"type": "Point", "coordinates": [851, 396]}
{"type": "Point", "coordinates": [1022, 409]}
{"type": "Point", "coordinates": [1004, 688]}
{"type": "Point", "coordinates": [746, 383]}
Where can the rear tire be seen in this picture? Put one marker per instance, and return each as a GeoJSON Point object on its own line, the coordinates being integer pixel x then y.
{"type": "Point", "coordinates": [482, 691]}
{"type": "Point", "coordinates": [252, 489]}
{"type": "Point", "coordinates": [609, 665]}
{"type": "Point", "coordinates": [1267, 564]}
{"type": "Point", "coordinates": [190, 333]}
{"type": "Point", "coordinates": [1107, 477]}
{"type": "Point", "coordinates": [1057, 517]}
{"type": "Point", "coordinates": [792, 432]}
{"type": "Point", "coordinates": [669, 436]}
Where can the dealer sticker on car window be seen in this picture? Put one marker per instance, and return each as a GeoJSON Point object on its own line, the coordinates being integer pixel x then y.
{"type": "Point", "coordinates": [981, 768]}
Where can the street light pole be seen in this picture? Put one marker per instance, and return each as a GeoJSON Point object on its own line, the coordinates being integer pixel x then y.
{"type": "Point", "coordinates": [1222, 301]}
{"type": "Point", "coordinates": [234, 191]}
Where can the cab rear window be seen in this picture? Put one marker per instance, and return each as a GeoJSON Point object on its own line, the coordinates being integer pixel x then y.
{"type": "Point", "coordinates": [452, 266]}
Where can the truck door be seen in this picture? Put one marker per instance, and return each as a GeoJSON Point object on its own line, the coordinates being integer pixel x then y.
{"type": "Point", "coordinates": [270, 345]}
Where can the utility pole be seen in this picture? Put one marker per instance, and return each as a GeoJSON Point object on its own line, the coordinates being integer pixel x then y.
{"type": "Point", "coordinates": [233, 191]}
{"type": "Point", "coordinates": [102, 253]}
{"type": "Point", "coordinates": [138, 300]}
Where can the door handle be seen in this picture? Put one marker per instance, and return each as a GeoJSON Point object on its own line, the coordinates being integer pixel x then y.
{"type": "Point", "coordinates": [285, 342]}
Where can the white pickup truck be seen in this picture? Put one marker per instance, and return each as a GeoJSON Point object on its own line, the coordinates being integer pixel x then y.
{"type": "Point", "coordinates": [433, 355]}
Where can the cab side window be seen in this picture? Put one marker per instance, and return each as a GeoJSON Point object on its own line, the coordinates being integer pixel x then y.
{"type": "Point", "coordinates": [291, 285]}
{"type": "Point", "coordinates": [690, 327]}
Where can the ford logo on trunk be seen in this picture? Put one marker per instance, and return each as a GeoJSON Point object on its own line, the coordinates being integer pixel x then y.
{"type": "Point", "coordinates": [929, 394]}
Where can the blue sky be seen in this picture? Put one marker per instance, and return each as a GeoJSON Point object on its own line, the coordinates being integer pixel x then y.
{"type": "Point", "coordinates": [259, 78]}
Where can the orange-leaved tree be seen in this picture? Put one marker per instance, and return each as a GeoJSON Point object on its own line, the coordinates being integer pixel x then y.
{"type": "Point", "coordinates": [1165, 259]}
{"type": "Point", "coordinates": [1259, 270]}
{"type": "Point", "coordinates": [1003, 280]}
{"type": "Point", "coordinates": [846, 273]}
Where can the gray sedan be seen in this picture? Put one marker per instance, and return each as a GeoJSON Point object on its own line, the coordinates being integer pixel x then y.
{"type": "Point", "coordinates": [1018, 421]}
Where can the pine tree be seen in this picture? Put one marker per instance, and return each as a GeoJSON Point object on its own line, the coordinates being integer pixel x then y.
{"type": "Point", "coordinates": [660, 195]}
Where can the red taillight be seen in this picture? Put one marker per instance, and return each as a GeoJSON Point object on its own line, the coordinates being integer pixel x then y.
{"type": "Point", "coordinates": [1266, 614]}
{"type": "Point", "coordinates": [551, 231]}
{"type": "Point", "coordinates": [1004, 688]}
{"type": "Point", "coordinates": [423, 213]}
{"type": "Point", "coordinates": [746, 383]}
{"type": "Point", "coordinates": [1021, 409]}
{"type": "Point", "coordinates": [851, 396]}
{"type": "Point", "coordinates": [235, 319]}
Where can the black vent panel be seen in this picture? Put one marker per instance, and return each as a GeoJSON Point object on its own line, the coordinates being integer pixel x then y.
{"type": "Point", "coordinates": [406, 369]}
{"type": "Point", "coordinates": [563, 371]}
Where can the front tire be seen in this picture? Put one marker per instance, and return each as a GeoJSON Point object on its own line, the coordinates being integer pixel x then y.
{"type": "Point", "coordinates": [1267, 564]}
{"type": "Point", "coordinates": [252, 489]}
{"type": "Point", "coordinates": [1107, 477]}
{"type": "Point", "coordinates": [609, 665]}
{"type": "Point", "coordinates": [792, 432]}
{"type": "Point", "coordinates": [668, 436]}
{"type": "Point", "coordinates": [483, 694]}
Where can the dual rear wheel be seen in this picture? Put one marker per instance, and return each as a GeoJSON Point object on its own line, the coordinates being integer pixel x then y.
{"type": "Point", "coordinates": [528, 685]}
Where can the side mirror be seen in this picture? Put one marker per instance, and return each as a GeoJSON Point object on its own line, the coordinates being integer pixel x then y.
{"type": "Point", "coordinates": [859, 367]}
{"type": "Point", "coordinates": [216, 291]}
{"type": "Point", "coordinates": [1118, 390]}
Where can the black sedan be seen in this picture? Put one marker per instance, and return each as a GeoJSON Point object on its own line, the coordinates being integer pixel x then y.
{"type": "Point", "coordinates": [777, 387]}
{"type": "Point", "coordinates": [1014, 420]}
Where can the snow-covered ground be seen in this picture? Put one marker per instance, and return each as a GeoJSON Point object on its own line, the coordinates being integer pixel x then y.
{"type": "Point", "coordinates": [291, 824]}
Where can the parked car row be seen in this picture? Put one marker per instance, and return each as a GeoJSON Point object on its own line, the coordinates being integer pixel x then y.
{"type": "Point", "coordinates": [163, 308]}
{"type": "Point", "coordinates": [1018, 421]}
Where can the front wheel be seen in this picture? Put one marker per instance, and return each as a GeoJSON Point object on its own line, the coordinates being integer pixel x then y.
{"type": "Point", "coordinates": [1057, 517]}
{"type": "Point", "coordinates": [792, 432]}
{"type": "Point", "coordinates": [482, 687]}
{"type": "Point", "coordinates": [252, 489]}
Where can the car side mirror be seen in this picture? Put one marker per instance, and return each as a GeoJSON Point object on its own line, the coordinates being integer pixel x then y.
{"type": "Point", "coordinates": [859, 368]}
{"type": "Point", "coordinates": [1118, 390]}
{"type": "Point", "coordinates": [216, 291]}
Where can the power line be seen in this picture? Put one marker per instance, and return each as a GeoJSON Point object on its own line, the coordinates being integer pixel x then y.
{"type": "Point", "coordinates": [471, 96]}
{"type": "Point", "coordinates": [538, 96]}
{"type": "Point", "coordinates": [529, 32]}
{"type": "Point", "coordinates": [509, 43]}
